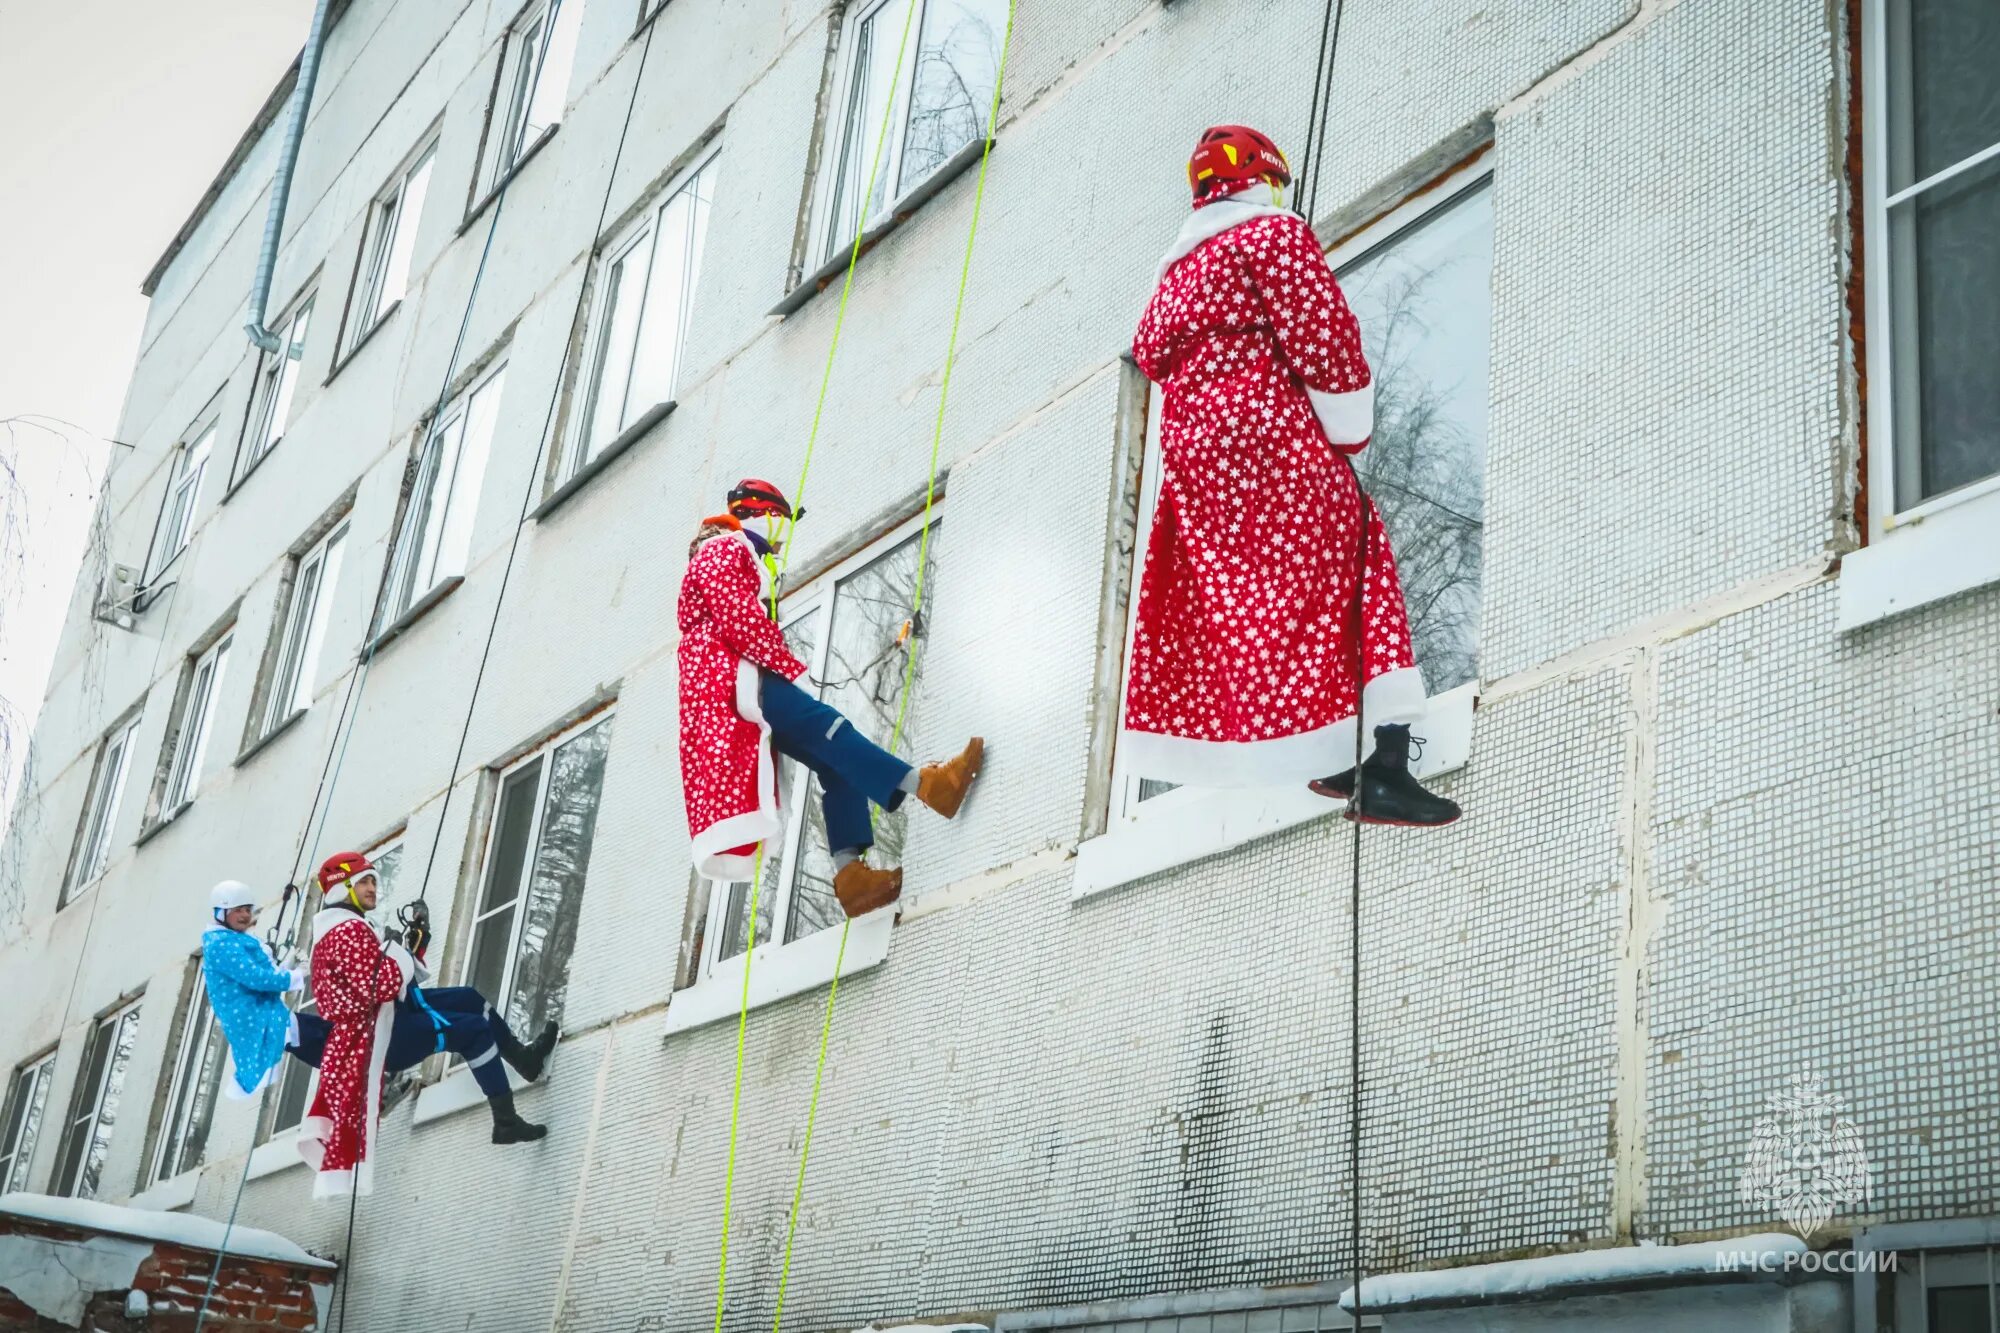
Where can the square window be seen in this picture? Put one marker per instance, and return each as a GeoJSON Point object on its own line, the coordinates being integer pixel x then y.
{"type": "Point", "coordinates": [638, 324]}
{"type": "Point", "coordinates": [197, 1060]}
{"type": "Point", "coordinates": [935, 100]}
{"type": "Point", "coordinates": [100, 809]}
{"type": "Point", "coordinates": [93, 1107]}
{"type": "Point", "coordinates": [435, 536]}
{"type": "Point", "coordinates": [21, 1120]}
{"type": "Point", "coordinates": [302, 630]}
{"type": "Point", "coordinates": [528, 101]}
{"type": "Point", "coordinates": [187, 737]}
{"type": "Point", "coordinates": [531, 886]}
{"type": "Point", "coordinates": [852, 629]}
{"type": "Point", "coordinates": [382, 276]}
{"type": "Point", "coordinates": [277, 381]}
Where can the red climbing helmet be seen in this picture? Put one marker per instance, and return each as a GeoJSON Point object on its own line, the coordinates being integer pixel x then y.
{"type": "Point", "coordinates": [1229, 157]}
{"type": "Point", "coordinates": [341, 867]}
{"type": "Point", "coordinates": [753, 497]}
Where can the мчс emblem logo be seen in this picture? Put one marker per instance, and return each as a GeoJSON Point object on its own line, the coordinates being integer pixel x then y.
{"type": "Point", "coordinates": [1806, 1158]}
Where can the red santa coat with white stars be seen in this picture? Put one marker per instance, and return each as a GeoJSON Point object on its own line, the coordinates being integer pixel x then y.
{"type": "Point", "coordinates": [1243, 662]}
{"type": "Point", "coordinates": [728, 774]}
{"type": "Point", "coordinates": [356, 983]}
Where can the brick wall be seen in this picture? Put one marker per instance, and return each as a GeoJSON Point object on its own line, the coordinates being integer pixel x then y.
{"type": "Point", "coordinates": [250, 1294]}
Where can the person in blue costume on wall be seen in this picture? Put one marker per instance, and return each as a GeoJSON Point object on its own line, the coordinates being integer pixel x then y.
{"type": "Point", "coordinates": [247, 989]}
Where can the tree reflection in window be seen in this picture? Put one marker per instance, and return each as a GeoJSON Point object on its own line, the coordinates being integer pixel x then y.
{"type": "Point", "coordinates": [860, 670]}
{"type": "Point", "coordinates": [1425, 307]}
{"type": "Point", "coordinates": [537, 858]}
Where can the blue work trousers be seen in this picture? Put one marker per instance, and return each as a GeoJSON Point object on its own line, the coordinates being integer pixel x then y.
{"type": "Point", "coordinates": [448, 1018]}
{"type": "Point", "coordinates": [852, 769]}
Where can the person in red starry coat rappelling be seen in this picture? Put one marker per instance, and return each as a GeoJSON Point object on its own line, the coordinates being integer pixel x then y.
{"type": "Point", "coordinates": [1269, 607]}
{"type": "Point", "coordinates": [738, 705]}
{"type": "Point", "coordinates": [380, 1020]}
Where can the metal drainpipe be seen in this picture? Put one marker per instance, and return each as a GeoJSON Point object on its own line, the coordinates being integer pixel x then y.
{"type": "Point", "coordinates": [281, 181]}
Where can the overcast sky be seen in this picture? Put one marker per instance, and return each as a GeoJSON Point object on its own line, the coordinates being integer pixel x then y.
{"type": "Point", "coordinates": [114, 117]}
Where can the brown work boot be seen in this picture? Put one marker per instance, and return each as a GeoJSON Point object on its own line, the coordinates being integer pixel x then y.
{"type": "Point", "coordinates": [862, 888]}
{"type": "Point", "coordinates": [942, 787]}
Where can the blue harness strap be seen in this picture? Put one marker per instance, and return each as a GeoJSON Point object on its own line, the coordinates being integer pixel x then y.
{"type": "Point", "coordinates": [438, 1020]}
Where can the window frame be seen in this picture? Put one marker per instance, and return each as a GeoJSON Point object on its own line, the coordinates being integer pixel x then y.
{"type": "Point", "coordinates": [824, 237]}
{"type": "Point", "coordinates": [171, 1142]}
{"type": "Point", "coordinates": [1145, 837]}
{"type": "Point", "coordinates": [180, 782]}
{"type": "Point", "coordinates": [105, 794]}
{"type": "Point", "coordinates": [30, 1079]}
{"type": "Point", "coordinates": [373, 261]}
{"type": "Point", "coordinates": [544, 752]}
{"type": "Point", "coordinates": [274, 388]}
{"type": "Point", "coordinates": [401, 596]}
{"type": "Point", "coordinates": [1912, 555]}
{"type": "Point", "coordinates": [80, 1126]}
{"type": "Point", "coordinates": [828, 237]}
{"type": "Point", "coordinates": [579, 450]}
{"type": "Point", "coordinates": [295, 648]}
{"type": "Point", "coordinates": [182, 501]}
{"type": "Point", "coordinates": [505, 143]}
{"type": "Point", "coordinates": [785, 967]}
{"type": "Point", "coordinates": [1903, 1254]}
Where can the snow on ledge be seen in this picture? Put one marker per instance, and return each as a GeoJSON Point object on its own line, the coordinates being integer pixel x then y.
{"type": "Point", "coordinates": [198, 1233]}
{"type": "Point", "coordinates": [1586, 1271]}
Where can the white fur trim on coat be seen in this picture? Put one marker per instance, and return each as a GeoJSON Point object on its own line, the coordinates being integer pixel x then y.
{"type": "Point", "coordinates": [714, 847]}
{"type": "Point", "coordinates": [1347, 418]}
{"type": "Point", "coordinates": [1259, 201]}
{"type": "Point", "coordinates": [314, 1130]}
{"type": "Point", "coordinates": [1393, 696]}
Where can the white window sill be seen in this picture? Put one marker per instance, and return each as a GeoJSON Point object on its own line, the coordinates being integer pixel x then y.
{"type": "Point", "coordinates": [455, 1092]}
{"type": "Point", "coordinates": [835, 265]}
{"type": "Point", "coordinates": [158, 826]}
{"type": "Point", "coordinates": [780, 971]}
{"type": "Point", "coordinates": [417, 610]}
{"type": "Point", "coordinates": [1936, 551]}
{"type": "Point", "coordinates": [168, 1195]}
{"type": "Point", "coordinates": [1192, 823]}
{"type": "Point", "coordinates": [280, 1154]}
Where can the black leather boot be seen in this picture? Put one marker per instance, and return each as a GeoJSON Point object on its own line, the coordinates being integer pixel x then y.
{"type": "Point", "coordinates": [1389, 795]}
{"type": "Point", "coordinates": [529, 1060]}
{"type": "Point", "coordinates": [508, 1127]}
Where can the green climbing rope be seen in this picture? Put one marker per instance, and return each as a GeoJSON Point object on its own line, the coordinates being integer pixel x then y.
{"type": "Point", "coordinates": [910, 662]}
{"type": "Point", "coordinates": [798, 495]}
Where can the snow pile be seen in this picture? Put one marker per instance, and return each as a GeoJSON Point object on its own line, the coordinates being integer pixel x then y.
{"type": "Point", "coordinates": [1560, 1275]}
{"type": "Point", "coordinates": [199, 1233]}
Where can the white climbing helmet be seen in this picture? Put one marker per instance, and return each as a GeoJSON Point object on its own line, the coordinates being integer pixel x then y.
{"type": "Point", "coordinates": [230, 893]}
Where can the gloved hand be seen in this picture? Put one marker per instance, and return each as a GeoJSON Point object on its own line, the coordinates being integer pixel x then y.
{"type": "Point", "coordinates": [297, 979]}
{"type": "Point", "coordinates": [417, 939]}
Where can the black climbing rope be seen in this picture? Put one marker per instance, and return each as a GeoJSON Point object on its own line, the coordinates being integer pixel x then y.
{"type": "Point", "coordinates": [507, 571]}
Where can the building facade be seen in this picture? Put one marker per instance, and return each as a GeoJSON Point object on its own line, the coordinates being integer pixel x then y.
{"type": "Point", "coordinates": [1681, 318]}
